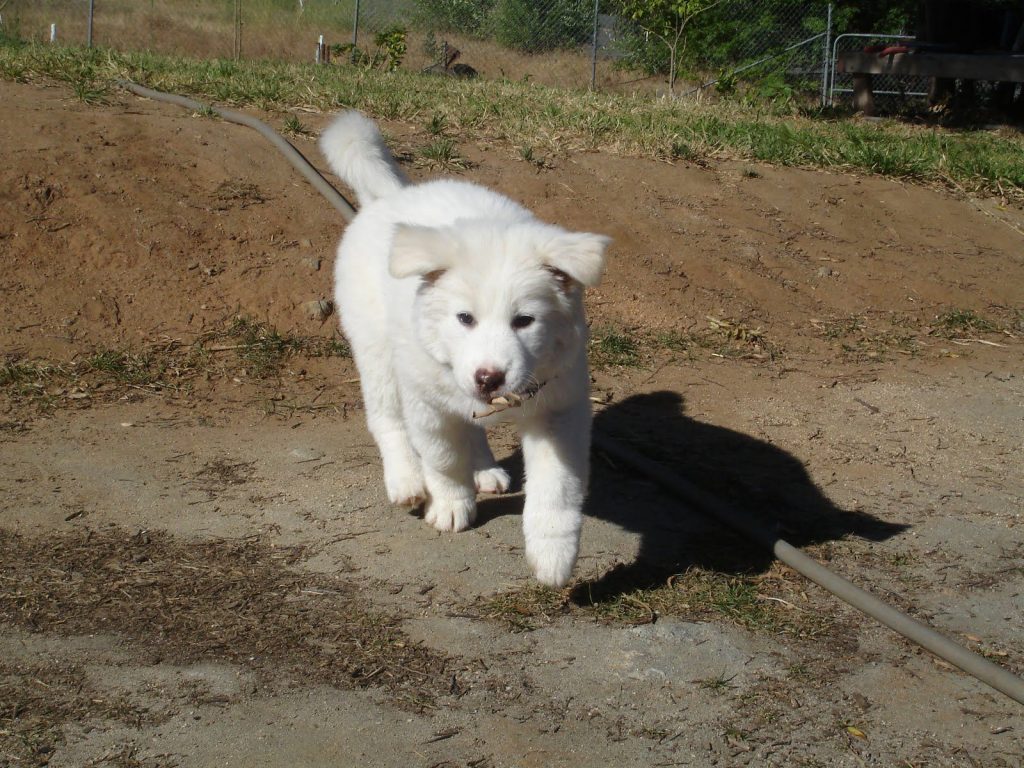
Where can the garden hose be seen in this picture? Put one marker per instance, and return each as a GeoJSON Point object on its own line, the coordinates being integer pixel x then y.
{"type": "Point", "coordinates": [972, 663]}
{"type": "Point", "coordinates": [295, 157]}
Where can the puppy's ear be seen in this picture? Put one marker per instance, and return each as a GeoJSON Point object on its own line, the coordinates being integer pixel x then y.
{"type": "Point", "coordinates": [420, 251]}
{"type": "Point", "coordinates": [580, 255]}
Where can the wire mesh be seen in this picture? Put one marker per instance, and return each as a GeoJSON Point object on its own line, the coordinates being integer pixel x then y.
{"type": "Point", "coordinates": [776, 46]}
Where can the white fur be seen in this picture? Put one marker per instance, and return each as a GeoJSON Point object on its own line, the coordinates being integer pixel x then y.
{"type": "Point", "coordinates": [415, 262]}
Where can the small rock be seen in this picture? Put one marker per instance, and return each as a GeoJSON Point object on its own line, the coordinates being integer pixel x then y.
{"type": "Point", "coordinates": [312, 262]}
{"type": "Point", "coordinates": [319, 309]}
{"type": "Point", "coordinates": [305, 454]}
{"type": "Point", "coordinates": [826, 272]}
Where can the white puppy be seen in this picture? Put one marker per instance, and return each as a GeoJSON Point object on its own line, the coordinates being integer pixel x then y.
{"type": "Point", "coordinates": [456, 302]}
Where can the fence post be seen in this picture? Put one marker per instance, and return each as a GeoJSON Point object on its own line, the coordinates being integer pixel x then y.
{"type": "Point", "coordinates": [827, 64]}
{"type": "Point", "coordinates": [355, 29]}
{"type": "Point", "coordinates": [53, 33]}
{"type": "Point", "coordinates": [593, 49]}
{"type": "Point", "coordinates": [238, 29]}
{"type": "Point", "coordinates": [92, 10]}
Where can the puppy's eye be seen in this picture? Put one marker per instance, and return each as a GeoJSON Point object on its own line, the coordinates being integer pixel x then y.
{"type": "Point", "coordinates": [522, 321]}
{"type": "Point", "coordinates": [466, 319]}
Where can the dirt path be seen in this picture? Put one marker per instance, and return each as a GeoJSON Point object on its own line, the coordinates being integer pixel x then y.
{"type": "Point", "coordinates": [199, 566]}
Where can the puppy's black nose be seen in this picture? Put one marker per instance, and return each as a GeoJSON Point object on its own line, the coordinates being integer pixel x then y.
{"type": "Point", "coordinates": [489, 380]}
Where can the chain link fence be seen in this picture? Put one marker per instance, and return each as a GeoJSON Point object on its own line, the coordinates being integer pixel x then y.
{"type": "Point", "coordinates": [776, 47]}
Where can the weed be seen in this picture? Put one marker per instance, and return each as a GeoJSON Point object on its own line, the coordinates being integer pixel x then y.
{"type": "Point", "coordinates": [682, 150]}
{"type": "Point", "coordinates": [125, 367]}
{"type": "Point", "coordinates": [674, 341]}
{"type": "Point", "coordinates": [529, 154]}
{"type": "Point", "coordinates": [437, 124]}
{"type": "Point", "coordinates": [443, 153]}
{"type": "Point", "coordinates": [261, 348]}
{"type": "Point", "coordinates": [719, 684]}
{"type": "Point", "coordinates": [294, 127]}
{"type": "Point", "coordinates": [90, 92]}
{"type": "Point", "coordinates": [858, 343]}
{"type": "Point", "coordinates": [611, 348]}
{"type": "Point", "coordinates": [959, 322]}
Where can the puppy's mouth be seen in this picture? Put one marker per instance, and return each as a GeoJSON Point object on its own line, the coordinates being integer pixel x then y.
{"type": "Point", "coordinates": [506, 401]}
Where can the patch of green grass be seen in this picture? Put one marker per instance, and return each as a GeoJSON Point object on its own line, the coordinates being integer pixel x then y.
{"type": "Point", "coordinates": [90, 91]}
{"type": "Point", "coordinates": [442, 153]}
{"type": "Point", "coordinates": [610, 348]}
{"type": "Point", "coordinates": [261, 348]}
{"type": "Point", "coordinates": [124, 367]}
{"type": "Point", "coordinates": [962, 322]}
{"type": "Point", "coordinates": [674, 341]}
{"type": "Point", "coordinates": [697, 594]}
{"type": "Point", "coordinates": [106, 372]}
{"type": "Point", "coordinates": [858, 342]}
{"type": "Point", "coordinates": [569, 121]}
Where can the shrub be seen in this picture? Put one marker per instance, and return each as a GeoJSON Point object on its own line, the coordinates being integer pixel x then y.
{"type": "Point", "coordinates": [534, 27]}
{"type": "Point", "coordinates": [470, 17]}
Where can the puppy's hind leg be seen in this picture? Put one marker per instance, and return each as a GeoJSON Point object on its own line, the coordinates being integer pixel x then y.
{"type": "Point", "coordinates": [403, 476]}
{"type": "Point", "coordinates": [487, 475]}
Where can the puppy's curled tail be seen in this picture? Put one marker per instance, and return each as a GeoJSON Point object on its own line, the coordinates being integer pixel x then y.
{"type": "Point", "coordinates": [356, 151]}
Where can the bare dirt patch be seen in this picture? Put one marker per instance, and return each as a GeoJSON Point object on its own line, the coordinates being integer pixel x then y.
{"type": "Point", "coordinates": [199, 566]}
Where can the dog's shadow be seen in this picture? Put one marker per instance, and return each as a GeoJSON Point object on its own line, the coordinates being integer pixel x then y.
{"type": "Point", "coordinates": [751, 475]}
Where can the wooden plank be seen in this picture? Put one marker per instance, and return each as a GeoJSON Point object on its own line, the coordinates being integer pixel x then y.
{"type": "Point", "coordinates": [967, 66]}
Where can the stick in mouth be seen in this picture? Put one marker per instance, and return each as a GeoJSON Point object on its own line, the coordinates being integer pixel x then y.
{"type": "Point", "coordinates": [499, 404]}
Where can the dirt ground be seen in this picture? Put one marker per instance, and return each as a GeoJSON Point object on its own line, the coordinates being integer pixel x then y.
{"type": "Point", "coordinates": [199, 566]}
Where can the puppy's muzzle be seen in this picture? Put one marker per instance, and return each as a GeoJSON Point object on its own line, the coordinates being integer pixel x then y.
{"type": "Point", "coordinates": [488, 381]}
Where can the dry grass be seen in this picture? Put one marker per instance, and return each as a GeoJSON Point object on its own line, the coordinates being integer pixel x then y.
{"type": "Point", "coordinates": [41, 699]}
{"type": "Point", "coordinates": [182, 602]}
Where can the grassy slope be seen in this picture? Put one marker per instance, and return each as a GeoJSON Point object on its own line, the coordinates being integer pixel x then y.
{"type": "Point", "coordinates": [531, 116]}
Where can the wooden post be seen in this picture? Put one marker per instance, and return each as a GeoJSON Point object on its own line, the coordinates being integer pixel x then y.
{"type": "Point", "coordinates": [863, 97]}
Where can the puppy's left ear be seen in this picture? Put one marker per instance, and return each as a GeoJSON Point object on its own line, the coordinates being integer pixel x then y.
{"type": "Point", "coordinates": [420, 251]}
{"type": "Point", "coordinates": [580, 255]}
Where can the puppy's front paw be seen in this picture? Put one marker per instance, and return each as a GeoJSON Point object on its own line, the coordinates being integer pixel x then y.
{"type": "Point", "coordinates": [451, 514]}
{"type": "Point", "coordinates": [492, 480]}
{"type": "Point", "coordinates": [405, 488]}
{"type": "Point", "coordinates": [552, 559]}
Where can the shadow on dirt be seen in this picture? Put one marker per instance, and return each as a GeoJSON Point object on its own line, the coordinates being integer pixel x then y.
{"type": "Point", "coordinates": [754, 476]}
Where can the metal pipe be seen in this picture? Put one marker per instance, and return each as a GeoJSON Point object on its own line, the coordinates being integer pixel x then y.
{"type": "Point", "coordinates": [827, 61]}
{"type": "Point", "coordinates": [593, 47]}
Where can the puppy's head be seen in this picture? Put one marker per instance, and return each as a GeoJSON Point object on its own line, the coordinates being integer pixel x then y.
{"type": "Point", "coordinates": [501, 304]}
